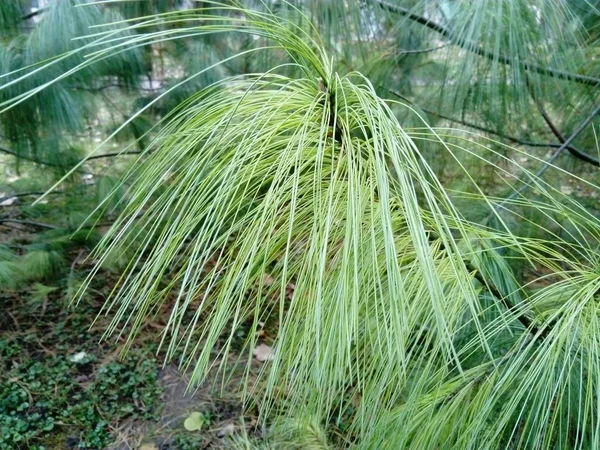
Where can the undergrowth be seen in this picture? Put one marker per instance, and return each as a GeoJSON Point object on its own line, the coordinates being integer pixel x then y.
{"type": "Point", "coordinates": [59, 388]}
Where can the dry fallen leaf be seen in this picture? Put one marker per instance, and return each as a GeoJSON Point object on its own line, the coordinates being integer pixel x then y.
{"type": "Point", "coordinates": [149, 446]}
{"type": "Point", "coordinates": [226, 430]}
{"type": "Point", "coordinates": [268, 280]}
{"type": "Point", "coordinates": [263, 353]}
{"type": "Point", "coordinates": [8, 201]}
{"type": "Point", "coordinates": [78, 357]}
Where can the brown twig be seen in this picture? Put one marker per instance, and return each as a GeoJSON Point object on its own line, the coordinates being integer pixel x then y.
{"type": "Point", "coordinates": [37, 161]}
{"type": "Point", "coordinates": [25, 194]}
{"type": "Point", "coordinates": [571, 149]}
{"type": "Point", "coordinates": [51, 164]}
{"type": "Point", "coordinates": [30, 223]}
{"type": "Point", "coordinates": [112, 155]}
{"type": "Point", "coordinates": [425, 50]}
{"type": "Point", "coordinates": [548, 163]}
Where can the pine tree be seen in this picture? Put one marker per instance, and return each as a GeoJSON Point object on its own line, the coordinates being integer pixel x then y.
{"type": "Point", "coordinates": [407, 189]}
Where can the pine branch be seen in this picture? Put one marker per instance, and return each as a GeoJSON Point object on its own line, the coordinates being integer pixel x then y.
{"type": "Point", "coordinates": [25, 194]}
{"type": "Point", "coordinates": [474, 48]}
{"type": "Point", "coordinates": [548, 163]}
{"type": "Point", "coordinates": [333, 123]}
{"type": "Point", "coordinates": [564, 146]}
{"type": "Point", "coordinates": [572, 150]}
{"type": "Point", "coordinates": [46, 163]}
{"type": "Point", "coordinates": [30, 223]}
{"type": "Point", "coordinates": [113, 155]}
{"type": "Point", "coordinates": [425, 50]}
{"type": "Point", "coordinates": [506, 137]}
{"type": "Point", "coordinates": [32, 14]}
{"type": "Point", "coordinates": [543, 331]}
{"type": "Point", "coordinates": [539, 332]}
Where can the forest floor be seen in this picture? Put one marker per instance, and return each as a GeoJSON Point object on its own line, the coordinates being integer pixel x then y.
{"type": "Point", "coordinates": [63, 387]}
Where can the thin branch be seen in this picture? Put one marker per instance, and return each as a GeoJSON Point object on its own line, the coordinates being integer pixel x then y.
{"type": "Point", "coordinates": [113, 155]}
{"type": "Point", "coordinates": [115, 85]}
{"type": "Point", "coordinates": [9, 152]}
{"type": "Point", "coordinates": [473, 48]}
{"type": "Point", "coordinates": [32, 14]}
{"type": "Point", "coordinates": [25, 194]}
{"type": "Point", "coordinates": [566, 143]}
{"type": "Point", "coordinates": [507, 137]}
{"type": "Point", "coordinates": [30, 223]}
{"type": "Point", "coordinates": [548, 163]}
{"type": "Point", "coordinates": [572, 150]}
{"type": "Point", "coordinates": [28, 158]}
{"type": "Point", "coordinates": [4, 221]}
{"type": "Point", "coordinates": [104, 155]}
{"type": "Point", "coordinates": [425, 50]}
{"type": "Point", "coordinates": [75, 261]}
{"type": "Point", "coordinates": [333, 123]}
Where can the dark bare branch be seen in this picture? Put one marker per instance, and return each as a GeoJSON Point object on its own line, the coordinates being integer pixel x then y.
{"type": "Point", "coordinates": [113, 155]}
{"type": "Point", "coordinates": [474, 48]}
{"type": "Point", "coordinates": [32, 14]}
{"type": "Point", "coordinates": [571, 149]}
{"type": "Point", "coordinates": [548, 163]}
{"type": "Point", "coordinates": [30, 223]}
{"type": "Point", "coordinates": [507, 137]}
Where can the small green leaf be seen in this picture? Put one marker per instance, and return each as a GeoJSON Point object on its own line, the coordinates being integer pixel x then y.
{"type": "Point", "coordinates": [195, 421]}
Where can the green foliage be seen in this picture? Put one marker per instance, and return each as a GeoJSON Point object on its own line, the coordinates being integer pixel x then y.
{"type": "Point", "coordinates": [428, 307]}
{"type": "Point", "coordinates": [185, 441]}
{"type": "Point", "coordinates": [290, 434]}
{"type": "Point", "coordinates": [35, 127]}
{"type": "Point", "coordinates": [313, 180]}
{"type": "Point", "coordinates": [8, 270]}
{"type": "Point", "coordinates": [46, 396]}
{"type": "Point", "coordinates": [10, 15]}
{"type": "Point", "coordinates": [69, 398]}
{"type": "Point", "coordinates": [44, 258]}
